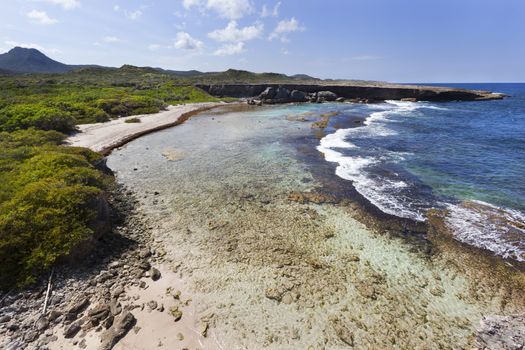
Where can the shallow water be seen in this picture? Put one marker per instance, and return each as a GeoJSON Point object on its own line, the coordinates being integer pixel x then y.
{"type": "Point", "coordinates": [282, 274]}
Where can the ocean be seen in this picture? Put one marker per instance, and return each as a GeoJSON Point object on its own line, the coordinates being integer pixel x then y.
{"type": "Point", "coordinates": [467, 158]}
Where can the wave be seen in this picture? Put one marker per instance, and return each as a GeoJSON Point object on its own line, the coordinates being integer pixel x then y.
{"type": "Point", "coordinates": [486, 226]}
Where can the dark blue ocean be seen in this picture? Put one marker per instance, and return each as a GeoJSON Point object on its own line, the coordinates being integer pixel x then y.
{"type": "Point", "coordinates": [465, 157]}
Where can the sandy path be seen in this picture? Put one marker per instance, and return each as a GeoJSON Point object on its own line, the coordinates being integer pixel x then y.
{"type": "Point", "coordinates": [103, 137]}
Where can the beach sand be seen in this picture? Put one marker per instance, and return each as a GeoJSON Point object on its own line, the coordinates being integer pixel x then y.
{"type": "Point", "coordinates": [103, 137]}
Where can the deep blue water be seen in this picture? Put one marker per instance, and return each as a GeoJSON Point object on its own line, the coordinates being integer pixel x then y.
{"type": "Point", "coordinates": [468, 157]}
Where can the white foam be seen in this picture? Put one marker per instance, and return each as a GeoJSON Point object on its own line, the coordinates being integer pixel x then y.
{"type": "Point", "coordinates": [489, 227]}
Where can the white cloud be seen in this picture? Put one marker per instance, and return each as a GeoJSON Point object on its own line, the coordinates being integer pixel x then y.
{"type": "Point", "coordinates": [40, 17]}
{"type": "Point", "coordinates": [66, 4]}
{"type": "Point", "coordinates": [190, 3]}
{"type": "Point", "coordinates": [273, 13]}
{"type": "Point", "coordinates": [284, 27]}
{"type": "Point", "coordinates": [185, 41]}
{"type": "Point", "coordinates": [133, 15]}
{"type": "Point", "coordinates": [230, 9]}
{"type": "Point", "coordinates": [116, 8]}
{"type": "Point", "coordinates": [233, 34]}
{"type": "Point", "coordinates": [285, 52]}
{"type": "Point", "coordinates": [111, 39]}
{"type": "Point", "coordinates": [32, 46]}
{"type": "Point", "coordinates": [230, 49]}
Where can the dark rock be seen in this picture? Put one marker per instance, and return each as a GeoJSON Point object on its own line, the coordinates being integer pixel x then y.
{"type": "Point", "coordinates": [72, 330]}
{"type": "Point", "coordinates": [326, 96]}
{"type": "Point", "coordinates": [41, 324]}
{"type": "Point", "coordinates": [152, 305]}
{"type": "Point", "coordinates": [154, 274]}
{"type": "Point", "coordinates": [78, 306]}
{"type": "Point", "coordinates": [282, 94]}
{"type": "Point", "coordinates": [5, 319]}
{"type": "Point", "coordinates": [30, 336]}
{"type": "Point", "coordinates": [298, 96]}
{"type": "Point", "coordinates": [119, 329]}
{"type": "Point", "coordinates": [98, 313]}
{"type": "Point", "coordinates": [115, 307]}
{"type": "Point", "coordinates": [268, 93]}
{"type": "Point", "coordinates": [144, 265]}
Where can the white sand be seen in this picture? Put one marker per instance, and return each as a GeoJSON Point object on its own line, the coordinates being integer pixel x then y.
{"type": "Point", "coordinates": [102, 137]}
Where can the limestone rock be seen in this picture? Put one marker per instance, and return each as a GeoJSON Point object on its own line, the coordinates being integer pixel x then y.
{"type": "Point", "coordinates": [117, 331]}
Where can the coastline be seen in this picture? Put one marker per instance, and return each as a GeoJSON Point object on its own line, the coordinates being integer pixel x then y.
{"type": "Point", "coordinates": [104, 137]}
{"type": "Point", "coordinates": [187, 270]}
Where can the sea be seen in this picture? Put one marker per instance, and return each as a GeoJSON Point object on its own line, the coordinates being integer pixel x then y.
{"type": "Point", "coordinates": [465, 158]}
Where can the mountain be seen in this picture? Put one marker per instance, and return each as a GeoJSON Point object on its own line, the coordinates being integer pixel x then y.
{"type": "Point", "coordinates": [23, 60]}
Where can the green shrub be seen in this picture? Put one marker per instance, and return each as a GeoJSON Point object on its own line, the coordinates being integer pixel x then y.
{"type": "Point", "coordinates": [132, 120]}
{"type": "Point", "coordinates": [48, 201]}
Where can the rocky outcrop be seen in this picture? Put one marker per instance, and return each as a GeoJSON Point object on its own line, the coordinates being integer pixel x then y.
{"type": "Point", "coordinates": [279, 93]}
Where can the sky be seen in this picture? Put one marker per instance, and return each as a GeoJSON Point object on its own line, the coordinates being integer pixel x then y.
{"type": "Point", "coordinates": [386, 40]}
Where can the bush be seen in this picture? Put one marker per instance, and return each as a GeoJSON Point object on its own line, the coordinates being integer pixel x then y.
{"type": "Point", "coordinates": [132, 120]}
{"type": "Point", "coordinates": [48, 201]}
{"type": "Point", "coordinates": [24, 116]}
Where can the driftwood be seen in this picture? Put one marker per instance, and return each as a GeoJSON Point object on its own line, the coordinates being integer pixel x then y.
{"type": "Point", "coordinates": [44, 309]}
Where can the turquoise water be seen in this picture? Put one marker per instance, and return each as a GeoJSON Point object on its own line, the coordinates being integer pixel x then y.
{"type": "Point", "coordinates": [467, 157]}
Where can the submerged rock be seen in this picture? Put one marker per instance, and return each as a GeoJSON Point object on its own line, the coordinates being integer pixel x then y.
{"type": "Point", "coordinates": [501, 332]}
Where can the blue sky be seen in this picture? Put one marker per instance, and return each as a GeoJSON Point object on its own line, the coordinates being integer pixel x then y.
{"type": "Point", "coordinates": [391, 40]}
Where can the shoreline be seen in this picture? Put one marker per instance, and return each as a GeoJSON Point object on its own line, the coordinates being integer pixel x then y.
{"type": "Point", "coordinates": [152, 325]}
{"type": "Point", "coordinates": [105, 137]}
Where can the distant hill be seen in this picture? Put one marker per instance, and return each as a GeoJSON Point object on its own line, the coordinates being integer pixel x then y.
{"type": "Point", "coordinates": [26, 61]}
{"type": "Point", "coordinates": [30, 61]}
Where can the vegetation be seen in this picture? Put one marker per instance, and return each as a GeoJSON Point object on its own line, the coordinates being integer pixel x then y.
{"type": "Point", "coordinates": [60, 101]}
{"type": "Point", "coordinates": [132, 120]}
{"type": "Point", "coordinates": [51, 193]}
{"type": "Point", "coordinates": [48, 201]}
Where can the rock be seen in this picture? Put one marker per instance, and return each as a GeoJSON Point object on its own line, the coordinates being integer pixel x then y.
{"type": "Point", "coordinates": [154, 274]}
{"type": "Point", "coordinates": [298, 96]}
{"type": "Point", "coordinates": [118, 291]}
{"type": "Point", "coordinates": [180, 337]}
{"type": "Point", "coordinates": [287, 299]}
{"type": "Point", "coordinates": [42, 323]}
{"type": "Point", "coordinates": [501, 332]}
{"type": "Point", "coordinates": [203, 329]}
{"type": "Point", "coordinates": [78, 306]}
{"type": "Point", "coordinates": [5, 319]}
{"type": "Point", "coordinates": [176, 313]}
{"type": "Point", "coordinates": [268, 93]}
{"type": "Point", "coordinates": [343, 333]}
{"type": "Point", "coordinates": [274, 294]}
{"type": "Point", "coordinates": [108, 322]}
{"type": "Point", "coordinates": [340, 99]}
{"type": "Point", "coordinates": [104, 276]}
{"type": "Point", "coordinates": [119, 329]}
{"type": "Point", "coordinates": [72, 330]}
{"type": "Point", "coordinates": [98, 314]}
{"type": "Point", "coordinates": [409, 99]}
{"type": "Point", "coordinates": [282, 94]}
{"type": "Point", "coordinates": [115, 264]}
{"type": "Point", "coordinates": [54, 314]}
{"type": "Point", "coordinates": [114, 307]}
{"type": "Point", "coordinates": [30, 336]}
{"type": "Point", "coordinates": [326, 96]}
{"type": "Point", "coordinates": [152, 305]}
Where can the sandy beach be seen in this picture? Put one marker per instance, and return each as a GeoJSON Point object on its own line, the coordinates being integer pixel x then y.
{"type": "Point", "coordinates": [103, 137]}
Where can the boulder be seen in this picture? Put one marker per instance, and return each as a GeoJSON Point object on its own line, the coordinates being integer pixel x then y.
{"type": "Point", "coordinates": [298, 96]}
{"type": "Point", "coordinates": [72, 330]}
{"type": "Point", "coordinates": [268, 94]}
{"type": "Point", "coordinates": [282, 94]}
{"type": "Point", "coordinates": [326, 96]}
{"type": "Point", "coordinates": [154, 274]}
{"type": "Point", "coordinates": [117, 331]}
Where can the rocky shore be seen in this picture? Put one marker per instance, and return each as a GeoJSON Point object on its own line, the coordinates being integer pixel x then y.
{"type": "Point", "coordinates": [284, 93]}
{"type": "Point", "coordinates": [95, 303]}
